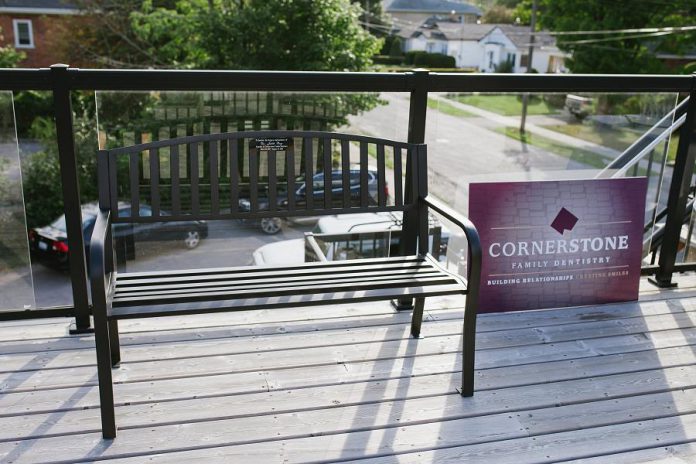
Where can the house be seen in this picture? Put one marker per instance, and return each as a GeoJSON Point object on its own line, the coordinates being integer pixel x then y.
{"type": "Point", "coordinates": [414, 12]}
{"type": "Point", "coordinates": [29, 26]}
{"type": "Point", "coordinates": [484, 47]}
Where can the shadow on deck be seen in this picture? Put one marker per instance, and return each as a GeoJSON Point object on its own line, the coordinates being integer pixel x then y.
{"type": "Point", "coordinates": [606, 384]}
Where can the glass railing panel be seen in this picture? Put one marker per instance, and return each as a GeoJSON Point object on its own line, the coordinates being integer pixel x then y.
{"type": "Point", "coordinates": [477, 137]}
{"type": "Point", "coordinates": [16, 281]}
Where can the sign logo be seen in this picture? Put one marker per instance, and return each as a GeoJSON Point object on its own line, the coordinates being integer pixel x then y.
{"type": "Point", "coordinates": [565, 220]}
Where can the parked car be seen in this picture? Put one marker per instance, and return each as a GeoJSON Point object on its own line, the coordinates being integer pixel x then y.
{"type": "Point", "coordinates": [366, 225]}
{"type": "Point", "coordinates": [273, 225]}
{"type": "Point", "coordinates": [50, 243]}
{"type": "Point", "coordinates": [579, 106]}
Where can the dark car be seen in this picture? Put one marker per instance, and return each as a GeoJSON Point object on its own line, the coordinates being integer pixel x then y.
{"type": "Point", "coordinates": [273, 225]}
{"type": "Point", "coordinates": [50, 243]}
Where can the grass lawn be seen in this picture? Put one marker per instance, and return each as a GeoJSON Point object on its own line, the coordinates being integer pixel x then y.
{"type": "Point", "coordinates": [507, 105]}
{"type": "Point", "coordinates": [444, 107]}
{"type": "Point", "coordinates": [617, 138]}
{"type": "Point", "coordinates": [572, 153]}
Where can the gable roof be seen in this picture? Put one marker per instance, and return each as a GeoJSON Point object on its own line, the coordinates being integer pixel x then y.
{"type": "Point", "coordinates": [38, 6]}
{"type": "Point", "coordinates": [520, 36]}
{"type": "Point", "coordinates": [432, 6]}
{"type": "Point", "coordinates": [444, 29]}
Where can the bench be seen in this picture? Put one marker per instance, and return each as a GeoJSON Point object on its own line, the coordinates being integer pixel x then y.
{"type": "Point", "coordinates": [205, 177]}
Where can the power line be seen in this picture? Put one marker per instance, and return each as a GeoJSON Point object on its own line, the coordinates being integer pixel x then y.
{"type": "Point", "coordinates": [561, 33]}
{"type": "Point", "coordinates": [614, 31]}
{"type": "Point", "coordinates": [613, 39]}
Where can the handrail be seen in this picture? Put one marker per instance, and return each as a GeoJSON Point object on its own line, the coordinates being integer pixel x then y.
{"type": "Point", "coordinates": [472, 237]}
{"type": "Point", "coordinates": [313, 81]}
{"type": "Point", "coordinates": [627, 159]}
{"type": "Point", "coordinates": [100, 279]}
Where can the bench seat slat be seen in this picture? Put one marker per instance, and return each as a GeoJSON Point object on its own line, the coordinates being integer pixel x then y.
{"type": "Point", "coordinates": [320, 287]}
{"type": "Point", "coordinates": [349, 276]}
{"type": "Point", "coordinates": [272, 269]}
{"type": "Point", "coordinates": [282, 301]}
{"type": "Point", "coordinates": [252, 275]}
{"type": "Point", "coordinates": [267, 286]}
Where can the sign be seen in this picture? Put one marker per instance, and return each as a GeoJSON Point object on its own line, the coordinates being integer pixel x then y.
{"type": "Point", "coordinates": [558, 243]}
{"type": "Point", "coordinates": [271, 144]}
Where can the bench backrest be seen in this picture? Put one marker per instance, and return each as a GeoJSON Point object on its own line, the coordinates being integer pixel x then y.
{"type": "Point", "coordinates": [273, 173]}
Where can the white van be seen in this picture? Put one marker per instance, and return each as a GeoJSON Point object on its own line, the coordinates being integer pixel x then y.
{"type": "Point", "coordinates": [376, 234]}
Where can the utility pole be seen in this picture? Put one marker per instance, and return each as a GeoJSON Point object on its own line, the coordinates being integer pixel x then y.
{"type": "Point", "coordinates": [525, 96]}
{"type": "Point", "coordinates": [367, 15]}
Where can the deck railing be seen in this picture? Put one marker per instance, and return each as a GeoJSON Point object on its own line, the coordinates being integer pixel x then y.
{"type": "Point", "coordinates": [61, 80]}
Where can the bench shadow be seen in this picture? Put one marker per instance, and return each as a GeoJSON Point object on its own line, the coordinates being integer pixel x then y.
{"type": "Point", "coordinates": [638, 395]}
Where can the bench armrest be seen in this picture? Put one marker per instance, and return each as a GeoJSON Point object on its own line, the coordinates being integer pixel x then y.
{"type": "Point", "coordinates": [100, 279]}
{"type": "Point", "coordinates": [472, 238]}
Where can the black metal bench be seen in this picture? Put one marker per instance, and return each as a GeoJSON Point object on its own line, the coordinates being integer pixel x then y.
{"type": "Point", "coordinates": [201, 177]}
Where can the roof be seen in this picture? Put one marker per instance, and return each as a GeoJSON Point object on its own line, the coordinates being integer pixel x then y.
{"type": "Point", "coordinates": [39, 6]}
{"type": "Point", "coordinates": [439, 28]}
{"type": "Point", "coordinates": [520, 36]}
{"type": "Point", "coordinates": [433, 7]}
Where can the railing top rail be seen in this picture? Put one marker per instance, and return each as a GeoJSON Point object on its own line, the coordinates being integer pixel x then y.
{"type": "Point", "coordinates": [257, 134]}
{"type": "Point", "coordinates": [316, 81]}
{"type": "Point", "coordinates": [621, 83]}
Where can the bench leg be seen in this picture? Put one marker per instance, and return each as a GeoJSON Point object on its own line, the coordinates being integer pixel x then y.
{"type": "Point", "coordinates": [417, 317]}
{"type": "Point", "coordinates": [106, 392]}
{"type": "Point", "coordinates": [114, 344]}
{"type": "Point", "coordinates": [469, 345]}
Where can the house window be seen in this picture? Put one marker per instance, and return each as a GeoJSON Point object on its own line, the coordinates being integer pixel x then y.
{"type": "Point", "coordinates": [23, 33]}
{"type": "Point", "coordinates": [491, 65]}
{"type": "Point", "coordinates": [430, 47]}
{"type": "Point", "coordinates": [511, 59]}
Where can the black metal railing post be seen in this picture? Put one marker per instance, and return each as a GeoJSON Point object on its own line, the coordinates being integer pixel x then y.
{"type": "Point", "coordinates": [678, 194]}
{"type": "Point", "coordinates": [62, 108]}
{"type": "Point", "coordinates": [418, 107]}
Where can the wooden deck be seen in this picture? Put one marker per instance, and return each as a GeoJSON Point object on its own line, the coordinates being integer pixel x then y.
{"type": "Point", "coordinates": [609, 384]}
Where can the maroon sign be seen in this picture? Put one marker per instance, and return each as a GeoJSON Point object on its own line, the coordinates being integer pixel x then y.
{"type": "Point", "coordinates": [558, 243]}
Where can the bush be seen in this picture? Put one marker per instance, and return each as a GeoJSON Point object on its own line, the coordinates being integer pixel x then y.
{"type": "Point", "coordinates": [431, 60]}
{"type": "Point", "coordinates": [42, 181]}
{"type": "Point", "coordinates": [386, 59]}
{"type": "Point", "coordinates": [504, 67]}
{"type": "Point", "coordinates": [396, 48]}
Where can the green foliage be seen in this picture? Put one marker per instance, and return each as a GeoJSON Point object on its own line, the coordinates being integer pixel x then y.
{"type": "Point", "coordinates": [225, 34]}
{"type": "Point", "coordinates": [431, 60]}
{"type": "Point", "coordinates": [504, 67]}
{"type": "Point", "coordinates": [170, 36]}
{"type": "Point", "coordinates": [9, 57]}
{"type": "Point", "coordinates": [30, 104]}
{"type": "Point", "coordinates": [689, 68]}
{"type": "Point", "coordinates": [397, 47]}
{"type": "Point", "coordinates": [627, 54]}
{"type": "Point", "coordinates": [499, 14]}
{"type": "Point", "coordinates": [388, 60]}
{"type": "Point", "coordinates": [317, 35]}
{"type": "Point", "coordinates": [42, 184]}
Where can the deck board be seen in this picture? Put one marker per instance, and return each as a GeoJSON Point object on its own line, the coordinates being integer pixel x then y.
{"type": "Point", "coordinates": [594, 384]}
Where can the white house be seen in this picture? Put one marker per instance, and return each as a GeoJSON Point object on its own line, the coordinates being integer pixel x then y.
{"type": "Point", "coordinates": [484, 47]}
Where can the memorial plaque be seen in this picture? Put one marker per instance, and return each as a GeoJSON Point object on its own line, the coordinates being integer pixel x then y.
{"type": "Point", "coordinates": [270, 143]}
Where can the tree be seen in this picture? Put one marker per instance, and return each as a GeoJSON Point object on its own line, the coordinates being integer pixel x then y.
{"type": "Point", "coordinates": [613, 53]}
{"type": "Point", "coordinates": [499, 14]}
{"type": "Point", "coordinates": [223, 34]}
